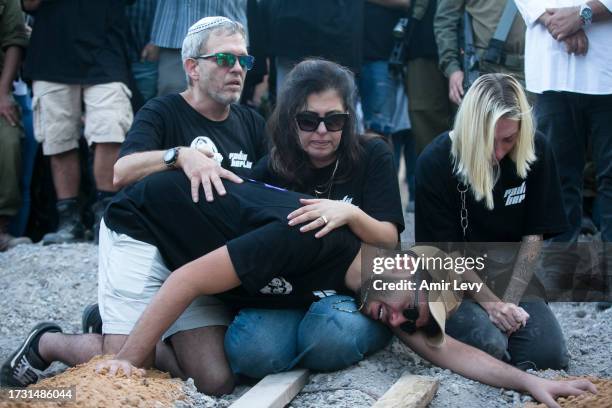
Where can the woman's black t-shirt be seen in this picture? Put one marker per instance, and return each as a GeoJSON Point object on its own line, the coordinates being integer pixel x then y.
{"type": "Point", "coordinates": [373, 186]}
{"type": "Point", "coordinates": [531, 206]}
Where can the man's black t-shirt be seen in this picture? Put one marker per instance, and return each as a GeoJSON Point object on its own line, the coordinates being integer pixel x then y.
{"type": "Point", "coordinates": [372, 187]}
{"type": "Point", "coordinates": [169, 121]}
{"type": "Point", "coordinates": [78, 42]}
{"type": "Point", "coordinates": [531, 206]}
{"type": "Point", "coordinates": [278, 265]}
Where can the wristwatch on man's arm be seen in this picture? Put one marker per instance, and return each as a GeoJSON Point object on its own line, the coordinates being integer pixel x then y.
{"type": "Point", "coordinates": [171, 157]}
{"type": "Point", "coordinates": [586, 14]}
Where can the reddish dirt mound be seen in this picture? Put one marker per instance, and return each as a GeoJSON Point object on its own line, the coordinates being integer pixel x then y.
{"type": "Point", "coordinates": [155, 389]}
{"type": "Point", "coordinates": [603, 399]}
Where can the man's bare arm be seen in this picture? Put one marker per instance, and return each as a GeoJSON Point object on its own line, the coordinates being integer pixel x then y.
{"type": "Point", "coordinates": [197, 166]}
{"type": "Point", "coordinates": [133, 167]}
{"type": "Point", "coordinates": [477, 365]}
{"type": "Point", "coordinates": [600, 12]}
{"type": "Point", "coordinates": [208, 275]}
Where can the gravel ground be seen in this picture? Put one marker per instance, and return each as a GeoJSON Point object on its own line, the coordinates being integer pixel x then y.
{"type": "Point", "coordinates": [55, 283]}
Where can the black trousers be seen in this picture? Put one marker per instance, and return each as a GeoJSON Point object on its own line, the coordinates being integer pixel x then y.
{"type": "Point", "coordinates": [569, 120]}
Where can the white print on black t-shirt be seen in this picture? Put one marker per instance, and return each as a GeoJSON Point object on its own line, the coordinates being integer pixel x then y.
{"type": "Point", "coordinates": [515, 195]}
{"type": "Point", "coordinates": [347, 199]}
{"type": "Point", "coordinates": [240, 160]}
{"type": "Point", "coordinates": [277, 286]}
{"type": "Point", "coordinates": [204, 142]}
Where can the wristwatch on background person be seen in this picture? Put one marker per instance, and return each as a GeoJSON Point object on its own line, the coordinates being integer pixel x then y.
{"type": "Point", "coordinates": [171, 157]}
{"type": "Point", "coordinates": [586, 14]}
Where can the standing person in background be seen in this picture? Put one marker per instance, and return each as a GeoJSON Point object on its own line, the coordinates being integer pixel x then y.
{"type": "Point", "coordinates": [172, 20]}
{"type": "Point", "coordinates": [485, 17]}
{"type": "Point", "coordinates": [427, 88]}
{"type": "Point", "coordinates": [142, 52]}
{"type": "Point", "coordinates": [574, 106]}
{"type": "Point", "coordinates": [80, 63]}
{"type": "Point", "coordinates": [377, 83]}
{"type": "Point", "coordinates": [13, 40]}
{"type": "Point", "coordinates": [330, 29]}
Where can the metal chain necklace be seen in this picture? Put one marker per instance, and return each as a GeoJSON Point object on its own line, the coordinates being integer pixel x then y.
{"type": "Point", "coordinates": [464, 212]}
{"type": "Point", "coordinates": [327, 187]}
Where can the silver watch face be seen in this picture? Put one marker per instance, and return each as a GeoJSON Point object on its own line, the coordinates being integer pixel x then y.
{"type": "Point", "coordinates": [587, 14]}
{"type": "Point", "coordinates": [170, 156]}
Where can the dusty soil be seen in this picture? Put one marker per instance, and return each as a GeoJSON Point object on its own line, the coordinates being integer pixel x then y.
{"type": "Point", "coordinates": [55, 283]}
{"type": "Point", "coordinates": [603, 399]}
{"type": "Point", "coordinates": [93, 390]}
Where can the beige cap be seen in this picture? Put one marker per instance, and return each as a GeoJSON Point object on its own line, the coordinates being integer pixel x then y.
{"type": "Point", "coordinates": [442, 303]}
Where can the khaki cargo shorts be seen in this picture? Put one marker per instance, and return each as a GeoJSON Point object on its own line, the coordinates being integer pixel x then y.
{"type": "Point", "coordinates": [130, 273]}
{"type": "Point", "coordinates": [58, 110]}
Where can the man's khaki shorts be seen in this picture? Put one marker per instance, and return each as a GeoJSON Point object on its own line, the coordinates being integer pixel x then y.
{"type": "Point", "coordinates": [58, 110]}
{"type": "Point", "coordinates": [130, 273]}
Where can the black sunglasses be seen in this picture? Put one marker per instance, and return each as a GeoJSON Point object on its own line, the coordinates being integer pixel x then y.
{"type": "Point", "coordinates": [412, 314]}
{"type": "Point", "coordinates": [225, 59]}
{"type": "Point", "coordinates": [309, 121]}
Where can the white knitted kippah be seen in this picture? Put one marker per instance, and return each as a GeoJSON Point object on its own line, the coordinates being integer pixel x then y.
{"type": "Point", "coordinates": [207, 23]}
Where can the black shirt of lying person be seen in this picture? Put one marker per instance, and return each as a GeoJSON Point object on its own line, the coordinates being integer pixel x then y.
{"type": "Point", "coordinates": [373, 186]}
{"type": "Point", "coordinates": [169, 121]}
{"type": "Point", "coordinates": [278, 265]}
{"type": "Point", "coordinates": [531, 206]}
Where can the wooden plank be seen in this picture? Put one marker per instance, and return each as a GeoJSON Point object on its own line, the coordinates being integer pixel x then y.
{"type": "Point", "coordinates": [410, 391]}
{"type": "Point", "coordinates": [273, 391]}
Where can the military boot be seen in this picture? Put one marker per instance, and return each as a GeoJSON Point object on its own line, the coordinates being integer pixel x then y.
{"type": "Point", "coordinates": [98, 210]}
{"type": "Point", "coordinates": [70, 228]}
{"type": "Point", "coordinates": [7, 241]}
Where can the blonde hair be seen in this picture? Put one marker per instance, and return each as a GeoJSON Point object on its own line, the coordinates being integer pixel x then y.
{"type": "Point", "coordinates": [490, 98]}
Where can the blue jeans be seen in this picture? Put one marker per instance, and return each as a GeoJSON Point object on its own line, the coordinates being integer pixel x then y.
{"type": "Point", "coordinates": [29, 146]}
{"type": "Point", "coordinates": [145, 74]}
{"type": "Point", "coordinates": [324, 338]}
{"type": "Point", "coordinates": [539, 345]}
{"type": "Point", "coordinates": [378, 90]}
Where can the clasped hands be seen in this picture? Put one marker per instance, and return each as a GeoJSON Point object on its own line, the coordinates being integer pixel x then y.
{"type": "Point", "coordinates": [565, 25]}
{"type": "Point", "coordinates": [508, 317]}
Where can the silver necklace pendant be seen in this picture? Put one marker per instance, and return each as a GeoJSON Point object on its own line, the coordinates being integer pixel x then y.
{"type": "Point", "coordinates": [328, 185]}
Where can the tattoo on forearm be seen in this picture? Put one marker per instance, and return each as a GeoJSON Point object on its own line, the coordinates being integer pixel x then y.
{"type": "Point", "coordinates": [524, 268]}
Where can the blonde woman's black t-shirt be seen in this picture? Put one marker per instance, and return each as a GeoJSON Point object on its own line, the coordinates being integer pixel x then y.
{"type": "Point", "coordinates": [278, 265]}
{"type": "Point", "coordinates": [531, 206]}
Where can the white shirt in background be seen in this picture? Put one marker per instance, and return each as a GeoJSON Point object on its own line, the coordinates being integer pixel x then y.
{"type": "Point", "coordinates": [548, 66]}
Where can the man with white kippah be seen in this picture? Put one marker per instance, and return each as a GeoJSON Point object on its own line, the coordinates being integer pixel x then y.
{"type": "Point", "coordinates": [205, 134]}
{"type": "Point", "coordinates": [172, 19]}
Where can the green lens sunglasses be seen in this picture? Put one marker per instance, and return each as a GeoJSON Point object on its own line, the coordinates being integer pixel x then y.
{"type": "Point", "coordinates": [225, 59]}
